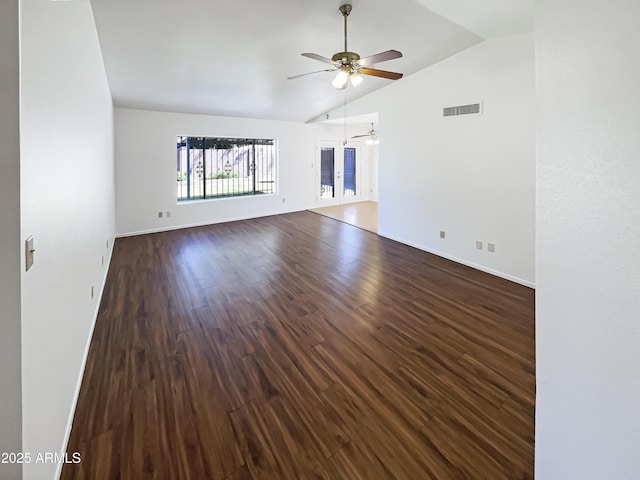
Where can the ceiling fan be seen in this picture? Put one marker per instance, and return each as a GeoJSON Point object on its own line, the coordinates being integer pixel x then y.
{"type": "Point", "coordinates": [372, 137]}
{"type": "Point", "coordinates": [349, 65]}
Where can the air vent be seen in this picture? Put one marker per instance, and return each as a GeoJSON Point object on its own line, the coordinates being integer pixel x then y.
{"type": "Point", "coordinates": [472, 109]}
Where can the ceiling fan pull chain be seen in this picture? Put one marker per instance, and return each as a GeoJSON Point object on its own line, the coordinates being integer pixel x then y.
{"type": "Point", "coordinates": [344, 141]}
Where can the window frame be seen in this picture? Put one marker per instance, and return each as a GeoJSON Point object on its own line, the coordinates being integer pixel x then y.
{"type": "Point", "coordinates": [208, 167]}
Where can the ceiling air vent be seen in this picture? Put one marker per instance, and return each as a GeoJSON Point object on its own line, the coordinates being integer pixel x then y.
{"type": "Point", "coordinates": [472, 109]}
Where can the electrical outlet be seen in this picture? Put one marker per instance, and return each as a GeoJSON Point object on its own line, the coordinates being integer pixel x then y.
{"type": "Point", "coordinates": [442, 234]}
{"type": "Point", "coordinates": [491, 247]}
{"type": "Point", "coordinates": [478, 244]}
{"type": "Point", "coordinates": [159, 214]}
{"type": "Point", "coordinates": [167, 214]}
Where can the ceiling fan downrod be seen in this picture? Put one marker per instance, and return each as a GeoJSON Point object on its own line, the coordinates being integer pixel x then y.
{"type": "Point", "coordinates": [346, 58]}
{"type": "Point", "coordinates": [345, 10]}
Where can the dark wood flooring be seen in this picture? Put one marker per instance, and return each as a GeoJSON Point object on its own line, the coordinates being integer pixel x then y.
{"type": "Point", "coordinates": [299, 347]}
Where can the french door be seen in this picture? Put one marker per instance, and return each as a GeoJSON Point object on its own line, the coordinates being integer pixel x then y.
{"type": "Point", "coordinates": [338, 176]}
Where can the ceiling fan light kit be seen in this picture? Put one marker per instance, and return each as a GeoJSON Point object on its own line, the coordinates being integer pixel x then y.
{"type": "Point", "coordinates": [340, 82]}
{"type": "Point", "coordinates": [355, 78]}
{"type": "Point", "coordinates": [349, 65]}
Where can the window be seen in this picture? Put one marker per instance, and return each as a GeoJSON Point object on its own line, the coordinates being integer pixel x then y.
{"type": "Point", "coordinates": [212, 167]}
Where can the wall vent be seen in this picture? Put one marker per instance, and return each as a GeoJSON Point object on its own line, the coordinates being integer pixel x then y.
{"type": "Point", "coordinates": [471, 109]}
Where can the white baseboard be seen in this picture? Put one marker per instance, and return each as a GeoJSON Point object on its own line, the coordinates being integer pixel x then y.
{"type": "Point", "coordinates": [482, 268]}
{"type": "Point", "coordinates": [84, 358]}
{"type": "Point", "coordinates": [201, 224]}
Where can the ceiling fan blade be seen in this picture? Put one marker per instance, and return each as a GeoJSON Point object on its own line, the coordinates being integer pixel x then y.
{"type": "Point", "coordinates": [381, 73]}
{"type": "Point", "coordinates": [320, 58]}
{"type": "Point", "coordinates": [311, 73]}
{"type": "Point", "coordinates": [360, 136]}
{"type": "Point", "coordinates": [380, 57]}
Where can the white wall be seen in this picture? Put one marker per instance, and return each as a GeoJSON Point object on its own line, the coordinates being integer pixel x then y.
{"type": "Point", "coordinates": [372, 153]}
{"type": "Point", "coordinates": [146, 169]}
{"type": "Point", "coordinates": [473, 176]}
{"type": "Point", "coordinates": [588, 240]}
{"type": "Point", "coordinates": [10, 264]}
{"type": "Point", "coordinates": [68, 202]}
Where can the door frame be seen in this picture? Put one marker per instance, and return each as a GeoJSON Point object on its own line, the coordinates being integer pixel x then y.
{"type": "Point", "coordinates": [338, 180]}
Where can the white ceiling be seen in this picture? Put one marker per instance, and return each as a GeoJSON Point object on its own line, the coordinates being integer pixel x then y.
{"type": "Point", "coordinates": [234, 57]}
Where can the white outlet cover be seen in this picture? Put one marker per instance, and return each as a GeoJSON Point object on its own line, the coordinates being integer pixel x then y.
{"type": "Point", "coordinates": [478, 245]}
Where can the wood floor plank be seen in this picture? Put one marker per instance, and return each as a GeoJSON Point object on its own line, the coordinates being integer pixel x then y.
{"type": "Point", "coordinates": [241, 474]}
{"type": "Point", "coordinates": [299, 347]}
{"type": "Point", "coordinates": [255, 443]}
{"type": "Point", "coordinates": [365, 427]}
{"type": "Point", "coordinates": [376, 388]}
{"type": "Point", "coordinates": [220, 455]}
{"type": "Point", "coordinates": [292, 385]}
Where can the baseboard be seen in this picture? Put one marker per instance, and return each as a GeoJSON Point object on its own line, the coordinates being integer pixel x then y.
{"type": "Point", "coordinates": [482, 268]}
{"type": "Point", "coordinates": [201, 224]}
{"type": "Point", "coordinates": [84, 359]}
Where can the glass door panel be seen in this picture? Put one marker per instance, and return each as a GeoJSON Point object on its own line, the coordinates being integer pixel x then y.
{"type": "Point", "coordinates": [350, 173]}
{"type": "Point", "coordinates": [327, 173]}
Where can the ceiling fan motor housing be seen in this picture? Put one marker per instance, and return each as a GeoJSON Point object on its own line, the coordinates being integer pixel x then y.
{"type": "Point", "coordinates": [346, 58]}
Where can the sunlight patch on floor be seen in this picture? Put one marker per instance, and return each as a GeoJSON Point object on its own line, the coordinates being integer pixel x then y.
{"type": "Point", "coordinates": [360, 214]}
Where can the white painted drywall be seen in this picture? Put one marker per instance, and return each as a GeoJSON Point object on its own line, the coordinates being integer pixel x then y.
{"type": "Point", "coordinates": [145, 145]}
{"type": "Point", "coordinates": [67, 182]}
{"type": "Point", "coordinates": [10, 264]}
{"type": "Point", "coordinates": [471, 176]}
{"type": "Point", "coordinates": [588, 240]}
{"type": "Point", "coordinates": [373, 173]}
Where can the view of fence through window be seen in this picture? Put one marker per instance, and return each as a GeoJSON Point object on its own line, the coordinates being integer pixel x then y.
{"type": "Point", "coordinates": [211, 167]}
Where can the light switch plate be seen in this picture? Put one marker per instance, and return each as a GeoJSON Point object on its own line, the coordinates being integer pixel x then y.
{"type": "Point", "coordinates": [28, 252]}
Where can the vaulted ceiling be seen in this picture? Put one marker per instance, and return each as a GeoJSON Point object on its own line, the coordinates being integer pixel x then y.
{"type": "Point", "coordinates": [234, 57]}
